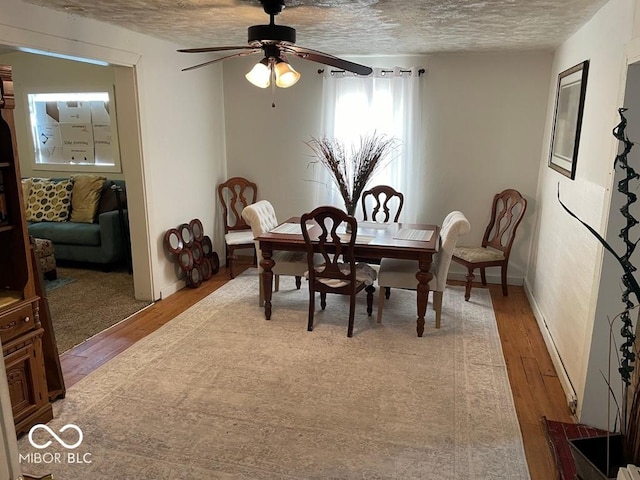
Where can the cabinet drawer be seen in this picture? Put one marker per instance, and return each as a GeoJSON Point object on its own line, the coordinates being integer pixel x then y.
{"type": "Point", "coordinates": [16, 322]}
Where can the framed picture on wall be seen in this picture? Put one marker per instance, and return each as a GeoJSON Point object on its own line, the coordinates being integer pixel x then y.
{"type": "Point", "coordinates": [567, 119]}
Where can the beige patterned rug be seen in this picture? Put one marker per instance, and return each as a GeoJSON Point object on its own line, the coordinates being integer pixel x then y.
{"type": "Point", "coordinates": [220, 393]}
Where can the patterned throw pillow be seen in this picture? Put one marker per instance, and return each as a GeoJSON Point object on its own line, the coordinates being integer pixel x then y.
{"type": "Point", "coordinates": [49, 201]}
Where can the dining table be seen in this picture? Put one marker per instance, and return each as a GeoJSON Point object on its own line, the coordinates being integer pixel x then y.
{"type": "Point", "coordinates": [374, 241]}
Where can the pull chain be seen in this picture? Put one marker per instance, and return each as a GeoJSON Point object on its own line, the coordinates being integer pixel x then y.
{"type": "Point", "coordinates": [273, 86]}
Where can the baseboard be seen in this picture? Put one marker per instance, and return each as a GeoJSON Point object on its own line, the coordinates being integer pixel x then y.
{"type": "Point", "coordinates": [565, 382]}
{"type": "Point", "coordinates": [491, 279]}
{"type": "Point", "coordinates": [172, 288]}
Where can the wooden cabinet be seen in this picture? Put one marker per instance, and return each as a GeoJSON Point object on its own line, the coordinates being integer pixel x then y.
{"type": "Point", "coordinates": [20, 329]}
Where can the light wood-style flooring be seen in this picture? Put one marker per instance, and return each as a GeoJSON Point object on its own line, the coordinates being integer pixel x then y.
{"type": "Point", "coordinates": [535, 385]}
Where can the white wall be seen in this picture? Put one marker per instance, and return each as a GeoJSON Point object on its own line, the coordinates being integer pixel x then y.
{"type": "Point", "coordinates": [59, 76]}
{"type": "Point", "coordinates": [483, 121]}
{"type": "Point", "coordinates": [180, 119]}
{"type": "Point", "coordinates": [565, 263]}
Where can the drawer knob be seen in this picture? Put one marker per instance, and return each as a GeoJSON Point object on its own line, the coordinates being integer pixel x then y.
{"type": "Point", "coordinates": [26, 319]}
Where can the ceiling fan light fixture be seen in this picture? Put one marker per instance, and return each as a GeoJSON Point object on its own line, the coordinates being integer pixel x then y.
{"type": "Point", "coordinates": [286, 76]}
{"type": "Point", "coordinates": [260, 74]}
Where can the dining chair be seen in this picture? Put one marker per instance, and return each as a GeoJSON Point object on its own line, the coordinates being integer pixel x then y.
{"type": "Point", "coordinates": [507, 210]}
{"type": "Point", "coordinates": [338, 272]}
{"type": "Point", "coordinates": [235, 194]}
{"type": "Point", "coordinates": [381, 203]}
{"type": "Point", "coordinates": [261, 216]}
{"type": "Point", "coordinates": [399, 273]}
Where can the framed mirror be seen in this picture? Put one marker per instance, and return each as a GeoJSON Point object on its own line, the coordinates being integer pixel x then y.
{"type": "Point", "coordinates": [186, 234]}
{"type": "Point", "coordinates": [214, 260]}
{"type": "Point", "coordinates": [173, 241]}
{"type": "Point", "coordinates": [185, 260]}
{"type": "Point", "coordinates": [196, 228]}
{"type": "Point", "coordinates": [206, 245]}
{"type": "Point", "coordinates": [196, 251]}
{"type": "Point", "coordinates": [205, 266]}
{"type": "Point", "coordinates": [195, 277]}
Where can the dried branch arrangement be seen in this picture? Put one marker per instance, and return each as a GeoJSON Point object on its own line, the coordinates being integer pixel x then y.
{"type": "Point", "coordinates": [350, 171]}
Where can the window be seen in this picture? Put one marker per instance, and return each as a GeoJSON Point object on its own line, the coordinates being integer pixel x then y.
{"type": "Point", "coordinates": [74, 131]}
{"type": "Point", "coordinates": [388, 102]}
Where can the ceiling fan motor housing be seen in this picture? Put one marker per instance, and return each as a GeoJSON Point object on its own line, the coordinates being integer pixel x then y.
{"type": "Point", "coordinates": [259, 34]}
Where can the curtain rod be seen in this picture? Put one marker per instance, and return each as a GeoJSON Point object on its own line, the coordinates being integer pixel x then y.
{"type": "Point", "coordinates": [420, 72]}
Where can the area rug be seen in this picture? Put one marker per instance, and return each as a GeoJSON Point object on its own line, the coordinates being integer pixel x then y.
{"type": "Point", "coordinates": [221, 393]}
{"type": "Point", "coordinates": [92, 302]}
{"type": "Point", "coordinates": [51, 285]}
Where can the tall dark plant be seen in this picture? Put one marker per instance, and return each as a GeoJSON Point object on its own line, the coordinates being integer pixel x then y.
{"type": "Point", "coordinates": [629, 413]}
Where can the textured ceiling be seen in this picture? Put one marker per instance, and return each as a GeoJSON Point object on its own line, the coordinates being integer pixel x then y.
{"type": "Point", "coordinates": [352, 26]}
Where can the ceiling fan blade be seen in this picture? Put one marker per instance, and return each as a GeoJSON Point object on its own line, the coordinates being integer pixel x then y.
{"type": "Point", "coordinates": [213, 49]}
{"type": "Point", "coordinates": [241, 54]}
{"type": "Point", "coordinates": [327, 59]}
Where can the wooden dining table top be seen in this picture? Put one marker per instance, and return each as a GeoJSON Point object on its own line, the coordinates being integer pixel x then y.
{"type": "Point", "coordinates": [379, 239]}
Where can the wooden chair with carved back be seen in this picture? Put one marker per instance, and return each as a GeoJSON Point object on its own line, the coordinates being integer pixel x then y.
{"type": "Point", "coordinates": [235, 194]}
{"type": "Point", "coordinates": [338, 272]}
{"type": "Point", "coordinates": [507, 211]}
{"type": "Point", "coordinates": [382, 203]}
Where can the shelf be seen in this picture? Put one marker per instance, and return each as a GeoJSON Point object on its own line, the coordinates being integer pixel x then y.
{"type": "Point", "coordinates": [4, 164]}
{"type": "Point", "coordinates": [6, 228]}
{"type": "Point", "coordinates": [9, 297]}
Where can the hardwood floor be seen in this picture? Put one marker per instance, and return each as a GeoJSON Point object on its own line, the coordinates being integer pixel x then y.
{"type": "Point", "coordinates": [535, 385]}
{"type": "Point", "coordinates": [536, 388]}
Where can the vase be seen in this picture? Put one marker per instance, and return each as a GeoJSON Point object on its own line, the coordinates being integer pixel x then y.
{"type": "Point", "coordinates": [590, 456]}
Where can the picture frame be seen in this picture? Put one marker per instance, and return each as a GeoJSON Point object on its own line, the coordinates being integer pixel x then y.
{"type": "Point", "coordinates": [567, 119]}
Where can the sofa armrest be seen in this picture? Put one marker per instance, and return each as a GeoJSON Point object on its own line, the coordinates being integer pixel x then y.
{"type": "Point", "coordinates": [112, 237]}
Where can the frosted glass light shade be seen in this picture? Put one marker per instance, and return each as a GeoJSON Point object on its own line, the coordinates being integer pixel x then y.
{"type": "Point", "coordinates": [260, 74]}
{"type": "Point", "coordinates": [286, 76]}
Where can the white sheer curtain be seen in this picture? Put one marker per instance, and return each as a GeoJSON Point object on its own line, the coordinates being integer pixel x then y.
{"type": "Point", "coordinates": [388, 102]}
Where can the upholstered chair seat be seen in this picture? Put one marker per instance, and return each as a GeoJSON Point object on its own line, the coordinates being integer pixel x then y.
{"type": "Point", "coordinates": [364, 274]}
{"type": "Point", "coordinates": [478, 254]}
{"type": "Point", "coordinates": [238, 237]}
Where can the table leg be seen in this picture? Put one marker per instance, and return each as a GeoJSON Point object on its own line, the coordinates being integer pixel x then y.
{"type": "Point", "coordinates": [424, 276]}
{"type": "Point", "coordinates": [267, 264]}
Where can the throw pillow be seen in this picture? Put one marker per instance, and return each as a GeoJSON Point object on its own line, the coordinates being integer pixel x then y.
{"type": "Point", "coordinates": [85, 197]}
{"type": "Point", "coordinates": [26, 187]}
{"type": "Point", "coordinates": [49, 201]}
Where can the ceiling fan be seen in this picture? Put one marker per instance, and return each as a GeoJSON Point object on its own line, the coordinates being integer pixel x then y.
{"type": "Point", "coordinates": [276, 42]}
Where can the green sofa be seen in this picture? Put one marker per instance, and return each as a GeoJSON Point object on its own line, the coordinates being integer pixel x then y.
{"type": "Point", "coordinates": [100, 242]}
